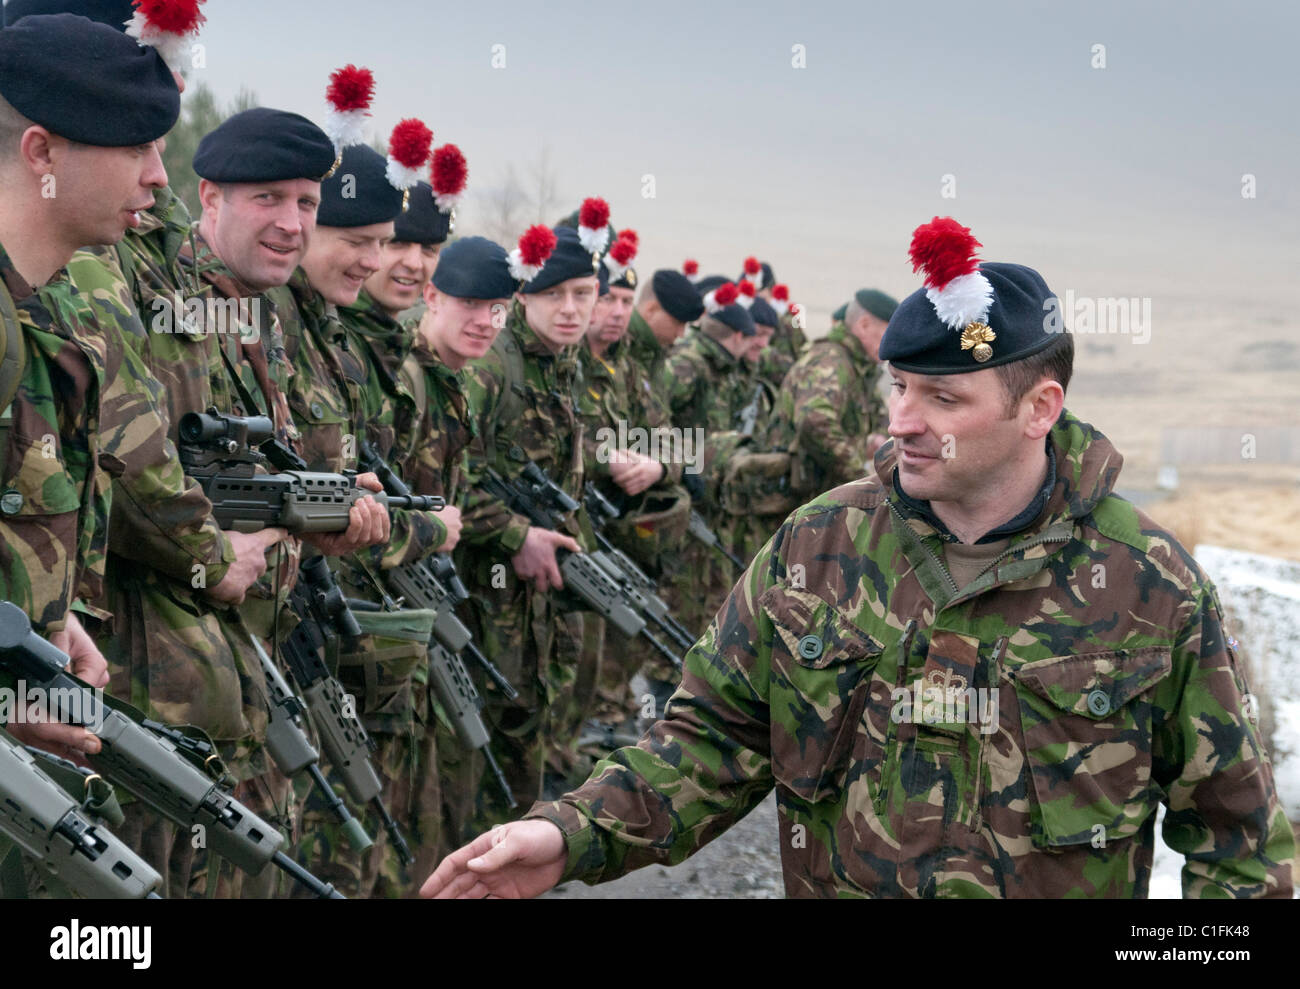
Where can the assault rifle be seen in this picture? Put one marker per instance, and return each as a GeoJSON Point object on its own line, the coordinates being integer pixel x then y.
{"type": "Point", "coordinates": [700, 530]}
{"type": "Point", "coordinates": [223, 453]}
{"type": "Point", "coordinates": [40, 818]}
{"type": "Point", "coordinates": [435, 586]}
{"type": "Point", "coordinates": [287, 741]}
{"type": "Point", "coordinates": [156, 764]}
{"type": "Point", "coordinates": [324, 616]}
{"type": "Point", "coordinates": [586, 578]}
{"type": "Point", "coordinates": [638, 584]}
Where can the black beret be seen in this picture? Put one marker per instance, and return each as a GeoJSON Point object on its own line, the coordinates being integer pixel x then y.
{"type": "Point", "coordinates": [876, 302]}
{"type": "Point", "coordinates": [676, 295]}
{"type": "Point", "coordinates": [569, 260]}
{"type": "Point", "coordinates": [423, 222]}
{"type": "Point", "coordinates": [86, 82]}
{"type": "Point", "coordinates": [1024, 319]}
{"type": "Point", "coordinates": [708, 283]}
{"type": "Point", "coordinates": [839, 314]}
{"type": "Point", "coordinates": [264, 145]}
{"type": "Point", "coordinates": [761, 312]}
{"type": "Point", "coordinates": [359, 193]}
{"type": "Point", "coordinates": [114, 13]}
{"type": "Point", "coordinates": [737, 317]}
{"type": "Point", "coordinates": [626, 280]}
{"type": "Point", "coordinates": [474, 268]}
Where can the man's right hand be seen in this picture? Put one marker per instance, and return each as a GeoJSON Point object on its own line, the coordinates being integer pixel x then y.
{"type": "Point", "coordinates": [519, 860]}
{"type": "Point", "coordinates": [450, 517]}
{"type": "Point", "coordinates": [250, 563]}
{"type": "Point", "coordinates": [536, 561]}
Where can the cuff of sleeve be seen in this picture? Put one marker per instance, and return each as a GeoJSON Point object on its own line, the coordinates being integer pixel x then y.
{"type": "Point", "coordinates": [91, 618]}
{"type": "Point", "coordinates": [512, 536]}
{"type": "Point", "coordinates": [586, 851]}
{"type": "Point", "coordinates": [439, 532]}
{"type": "Point", "coordinates": [215, 573]}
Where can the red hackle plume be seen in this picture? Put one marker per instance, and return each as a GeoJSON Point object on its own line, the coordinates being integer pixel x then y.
{"type": "Point", "coordinates": [449, 171]}
{"type": "Point", "coordinates": [351, 88]}
{"type": "Point", "coordinates": [410, 143]}
{"type": "Point", "coordinates": [746, 287]}
{"type": "Point", "coordinates": [725, 294]}
{"type": "Point", "coordinates": [172, 16]}
{"type": "Point", "coordinates": [944, 249]}
{"type": "Point", "coordinates": [752, 266]}
{"type": "Point", "coordinates": [781, 293]}
{"type": "Point", "coordinates": [623, 251]}
{"type": "Point", "coordinates": [630, 234]}
{"type": "Point", "coordinates": [594, 213]}
{"type": "Point", "coordinates": [690, 267]}
{"type": "Point", "coordinates": [536, 245]}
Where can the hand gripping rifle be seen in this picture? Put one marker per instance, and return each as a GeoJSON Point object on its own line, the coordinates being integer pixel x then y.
{"type": "Point", "coordinates": [324, 615]}
{"type": "Point", "coordinates": [434, 586]}
{"type": "Point", "coordinates": [156, 764]}
{"type": "Point", "coordinates": [43, 820]}
{"type": "Point", "coordinates": [586, 578]}
{"type": "Point", "coordinates": [638, 584]}
{"type": "Point", "coordinates": [222, 452]}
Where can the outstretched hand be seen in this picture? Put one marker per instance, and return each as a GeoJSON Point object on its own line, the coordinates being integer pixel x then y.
{"type": "Point", "coordinates": [516, 861]}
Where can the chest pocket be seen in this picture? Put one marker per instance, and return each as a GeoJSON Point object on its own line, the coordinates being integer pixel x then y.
{"type": "Point", "coordinates": [1087, 723]}
{"type": "Point", "coordinates": [39, 507]}
{"type": "Point", "coordinates": [820, 683]}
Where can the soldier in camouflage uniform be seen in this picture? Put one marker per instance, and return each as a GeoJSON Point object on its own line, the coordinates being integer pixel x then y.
{"type": "Point", "coordinates": [76, 406]}
{"type": "Point", "coordinates": [337, 397]}
{"type": "Point", "coordinates": [517, 613]}
{"type": "Point", "coordinates": [829, 413]}
{"type": "Point", "coordinates": [1057, 709]}
{"type": "Point", "coordinates": [618, 400]}
{"type": "Point", "coordinates": [667, 304]}
{"type": "Point", "coordinates": [402, 432]}
{"type": "Point", "coordinates": [709, 385]}
{"type": "Point", "coordinates": [465, 307]}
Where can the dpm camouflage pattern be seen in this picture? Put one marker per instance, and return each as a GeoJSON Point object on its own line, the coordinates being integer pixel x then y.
{"type": "Point", "coordinates": [433, 454]}
{"type": "Point", "coordinates": [534, 643]}
{"type": "Point", "coordinates": [829, 402]}
{"type": "Point", "coordinates": [380, 345]}
{"type": "Point", "coordinates": [50, 505]}
{"type": "Point", "coordinates": [787, 347]}
{"type": "Point", "coordinates": [1112, 695]}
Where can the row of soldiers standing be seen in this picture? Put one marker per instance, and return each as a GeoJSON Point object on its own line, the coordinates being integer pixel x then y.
{"type": "Point", "coordinates": [315, 291]}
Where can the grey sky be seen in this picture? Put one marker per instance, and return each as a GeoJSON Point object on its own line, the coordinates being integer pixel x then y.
{"type": "Point", "coordinates": [1117, 181]}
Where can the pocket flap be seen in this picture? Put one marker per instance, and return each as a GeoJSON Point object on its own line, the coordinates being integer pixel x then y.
{"type": "Point", "coordinates": [1095, 685]}
{"type": "Point", "coordinates": [815, 634]}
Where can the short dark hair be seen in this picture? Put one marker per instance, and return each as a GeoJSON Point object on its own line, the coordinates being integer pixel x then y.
{"type": "Point", "coordinates": [1055, 362]}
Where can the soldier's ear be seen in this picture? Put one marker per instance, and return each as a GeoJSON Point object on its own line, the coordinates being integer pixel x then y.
{"type": "Point", "coordinates": [430, 295]}
{"type": "Point", "coordinates": [1045, 401]}
{"type": "Point", "coordinates": [209, 195]}
{"type": "Point", "coordinates": [39, 149]}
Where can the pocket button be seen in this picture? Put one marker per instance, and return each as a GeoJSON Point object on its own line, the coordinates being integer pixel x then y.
{"type": "Point", "coordinates": [810, 646]}
{"type": "Point", "coordinates": [11, 502]}
{"type": "Point", "coordinates": [1098, 702]}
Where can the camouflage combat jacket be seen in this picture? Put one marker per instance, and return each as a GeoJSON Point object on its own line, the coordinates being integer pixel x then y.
{"type": "Point", "coordinates": [786, 348]}
{"type": "Point", "coordinates": [615, 389]}
{"type": "Point", "coordinates": [707, 387]}
{"type": "Point", "coordinates": [434, 453]}
{"type": "Point", "coordinates": [644, 348]}
{"type": "Point", "coordinates": [138, 296]}
{"type": "Point", "coordinates": [390, 415]}
{"type": "Point", "coordinates": [547, 432]}
{"type": "Point", "coordinates": [827, 406]}
{"type": "Point", "coordinates": [1098, 637]}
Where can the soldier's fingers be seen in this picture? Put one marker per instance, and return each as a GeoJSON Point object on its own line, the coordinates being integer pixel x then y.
{"type": "Point", "coordinates": [370, 481]}
{"type": "Point", "coordinates": [569, 543]}
{"type": "Point", "coordinates": [269, 537]}
{"type": "Point", "coordinates": [70, 737]}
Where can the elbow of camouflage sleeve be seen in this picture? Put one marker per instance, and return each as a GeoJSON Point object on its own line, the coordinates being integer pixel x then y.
{"type": "Point", "coordinates": [586, 851]}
